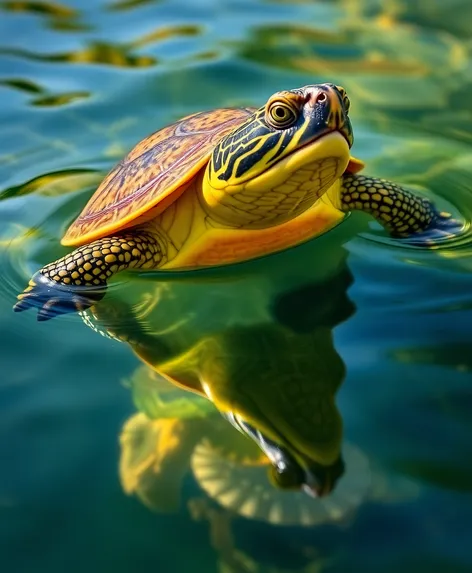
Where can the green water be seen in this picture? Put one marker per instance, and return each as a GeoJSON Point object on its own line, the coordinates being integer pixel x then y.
{"type": "Point", "coordinates": [80, 84]}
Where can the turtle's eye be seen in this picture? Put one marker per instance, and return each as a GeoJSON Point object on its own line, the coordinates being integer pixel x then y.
{"type": "Point", "coordinates": [287, 475]}
{"type": "Point", "coordinates": [281, 115]}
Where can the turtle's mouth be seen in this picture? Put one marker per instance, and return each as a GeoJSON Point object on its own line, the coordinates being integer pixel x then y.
{"type": "Point", "coordinates": [287, 471]}
{"type": "Point", "coordinates": [343, 128]}
{"type": "Point", "coordinates": [321, 144]}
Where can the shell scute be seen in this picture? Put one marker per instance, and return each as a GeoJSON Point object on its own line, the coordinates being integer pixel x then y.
{"type": "Point", "coordinates": [158, 167]}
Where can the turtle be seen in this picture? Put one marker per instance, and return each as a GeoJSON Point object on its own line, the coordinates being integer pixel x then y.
{"type": "Point", "coordinates": [224, 186]}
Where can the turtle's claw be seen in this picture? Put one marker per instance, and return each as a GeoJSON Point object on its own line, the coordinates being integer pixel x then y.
{"type": "Point", "coordinates": [443, 227]}
{"type": "Point", "coordinates": [21, 305]}
{"type": "Point", "coordinates": [53, 299]}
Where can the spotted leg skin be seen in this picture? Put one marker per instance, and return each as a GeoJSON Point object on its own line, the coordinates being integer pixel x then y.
{"type": "Point", "coordinates": [79, 280]}
{"type": "Point", "coordinates": [403, 213]}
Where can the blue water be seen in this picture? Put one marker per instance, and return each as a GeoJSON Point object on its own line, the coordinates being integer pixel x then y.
{"type": "Point", "coordinates": [80, 84]}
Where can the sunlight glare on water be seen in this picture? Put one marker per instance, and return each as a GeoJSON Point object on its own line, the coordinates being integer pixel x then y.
{"type": "Point", "coordinates": [108, 467]}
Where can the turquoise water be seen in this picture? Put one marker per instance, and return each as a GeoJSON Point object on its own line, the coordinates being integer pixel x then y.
{"type": "Point", "coordinates": [80, 84]}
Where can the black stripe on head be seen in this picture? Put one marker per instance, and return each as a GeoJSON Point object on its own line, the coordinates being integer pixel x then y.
{"type": "Point", "coordinates": [236, 155]}
{"type": "Point", "coordinates": [286, 139]}
{"type": "Point", "coordinates": [240, 143]}
{"type": "Point", "coordinates": [217, 158]}
{"type": "Point", "coordinates": [257, 156]}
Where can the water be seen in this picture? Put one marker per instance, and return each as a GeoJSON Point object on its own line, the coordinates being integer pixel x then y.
{"type": "Point", "coordinates": [79, 85]}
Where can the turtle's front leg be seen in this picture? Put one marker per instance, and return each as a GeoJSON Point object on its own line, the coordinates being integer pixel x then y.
{"type": "Point", "coordinates": [403, 213]}
{"type": "Point", "coordinates": [79, 280]}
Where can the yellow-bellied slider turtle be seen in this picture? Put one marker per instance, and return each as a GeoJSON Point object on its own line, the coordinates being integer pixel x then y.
{"type": "Point", "coordinates": [225, 186]}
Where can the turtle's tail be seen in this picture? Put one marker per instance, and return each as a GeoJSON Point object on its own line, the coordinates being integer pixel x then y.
{"type": "Point", "coordinates": [79, 280]}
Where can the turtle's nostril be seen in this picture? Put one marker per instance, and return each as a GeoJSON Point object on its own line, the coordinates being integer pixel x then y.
{"type": "Point", "coordinates": [321, 98]}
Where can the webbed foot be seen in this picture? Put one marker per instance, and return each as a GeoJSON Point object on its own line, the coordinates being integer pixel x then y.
{"type": "Point", "coordinates": [53, 299]}
{"type": "Point", "coordinates": [408, 216]}
{"type": "Point", "coordinates": [79, 280]}
{"type": "Point", "coordinates": [442, 227]}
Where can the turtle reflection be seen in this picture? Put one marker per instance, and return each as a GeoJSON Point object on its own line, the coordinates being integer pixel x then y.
{"type": "Point", "coordinates": [260, 351]}
{"type": "Point", "coordinates": [275, 380]}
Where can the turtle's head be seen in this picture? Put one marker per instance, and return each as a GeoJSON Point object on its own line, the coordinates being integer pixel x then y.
{"type": "Point", "coordinates": [281, 160]}
{"type": "Point", "coordinates": [290, 468]}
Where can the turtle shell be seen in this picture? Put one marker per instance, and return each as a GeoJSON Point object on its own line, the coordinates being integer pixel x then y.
{"type": "Point", "coordinates": [153, 174]}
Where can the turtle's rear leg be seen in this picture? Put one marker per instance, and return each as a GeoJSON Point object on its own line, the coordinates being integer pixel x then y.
{"type": "Point", "coordinates": [79, 280]}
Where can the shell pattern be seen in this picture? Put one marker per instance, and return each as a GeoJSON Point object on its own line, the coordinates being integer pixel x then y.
{"type": "Point", "coordinates": [153, 170]}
